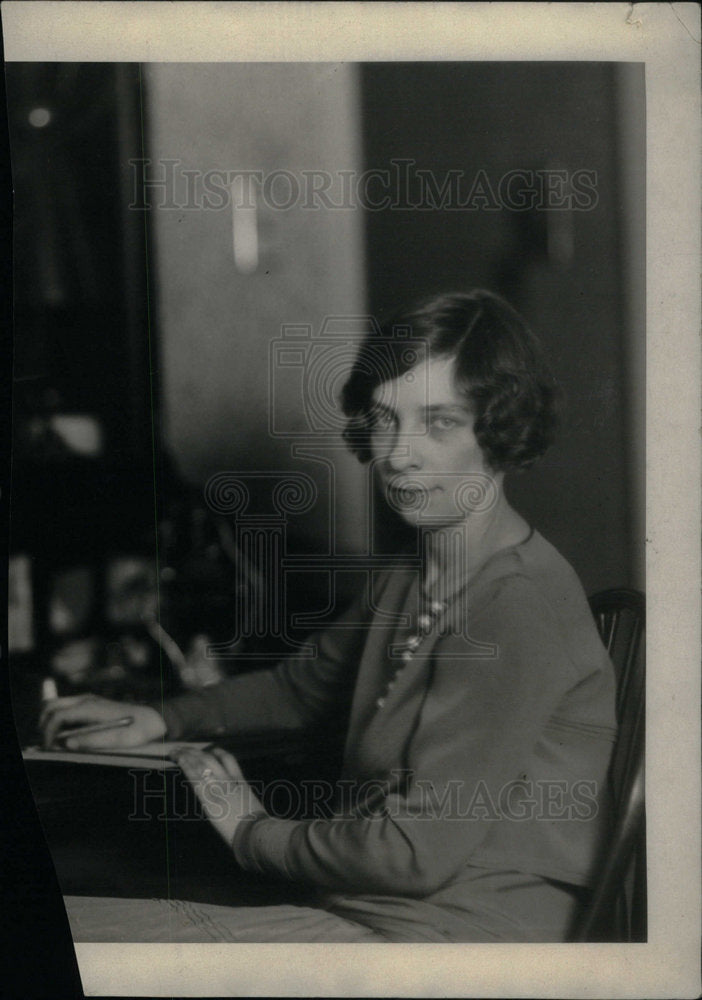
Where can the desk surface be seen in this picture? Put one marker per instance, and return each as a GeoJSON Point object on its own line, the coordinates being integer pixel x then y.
{"type": "Point", "coordinates": [141, 833]}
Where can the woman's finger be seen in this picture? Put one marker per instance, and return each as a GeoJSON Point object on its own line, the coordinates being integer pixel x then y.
{"type": "Point", "coordinates": [110, 739]}
{"type": "Point", "coordinates": [58, 705]}
{"type": "Point", "coordinates": [197, 764]}
{"type": "Point", "coordinates": [82, 711]}
{"type": "Point", "coordinates": [188, 762]}
{"type": "Point", "coordinates": [229, 763]}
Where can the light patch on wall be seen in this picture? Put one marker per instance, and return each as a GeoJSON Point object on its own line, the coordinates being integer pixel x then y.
{"type": "Point", "coordinates": [20, 636]}
{"type": "Point", "coordinates": [82, 434]}
{"type": "Point", "coordinates": [39, 117]}
{"type": "Point", "coordinates": [244, 228]}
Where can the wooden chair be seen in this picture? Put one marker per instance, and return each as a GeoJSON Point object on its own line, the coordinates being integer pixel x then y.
{"type": "Point", "coordinates": [617, 908]}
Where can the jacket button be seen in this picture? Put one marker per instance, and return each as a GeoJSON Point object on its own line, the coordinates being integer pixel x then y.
{"type": "Point", "coordinates": [380, 703]}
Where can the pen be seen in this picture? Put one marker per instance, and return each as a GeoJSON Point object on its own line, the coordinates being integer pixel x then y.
{"type": "Point", "coordinates": [98, 728]}
{"type": "Point", "coordinates": [167, 643]}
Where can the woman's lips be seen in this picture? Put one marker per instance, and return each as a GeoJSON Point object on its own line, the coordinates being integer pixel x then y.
{"type": "Point", "coordinates": [409, 493]}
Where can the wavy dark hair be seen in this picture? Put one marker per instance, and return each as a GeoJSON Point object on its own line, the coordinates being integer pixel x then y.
{"type": "Point", "coordinates": [499, 365]}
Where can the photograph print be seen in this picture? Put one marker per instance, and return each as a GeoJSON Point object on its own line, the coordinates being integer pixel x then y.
{"type": "Point", "coordinates": [327, 590]}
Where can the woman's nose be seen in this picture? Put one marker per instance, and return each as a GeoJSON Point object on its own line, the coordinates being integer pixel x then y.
{"type": "Point", "coordinates": [403, 453]}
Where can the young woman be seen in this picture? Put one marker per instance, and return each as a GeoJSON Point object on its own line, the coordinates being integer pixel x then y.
{"type": "Point", "coordinates": [480, 700]}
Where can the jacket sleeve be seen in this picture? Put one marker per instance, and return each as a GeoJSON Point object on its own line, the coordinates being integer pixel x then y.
{"type": "Point", "coordinates": [480, 717]}
{"type": "Point", "coordinates": [295, 694]}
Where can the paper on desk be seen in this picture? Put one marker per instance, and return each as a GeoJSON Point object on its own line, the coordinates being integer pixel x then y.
{"type": "Point", "coordinates": [154, 755]}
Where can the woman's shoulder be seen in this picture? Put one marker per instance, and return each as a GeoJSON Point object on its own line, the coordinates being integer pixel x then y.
{"type": "Point", "coordinates": [535, 570]}
{"type": "Point", "coordinates": [532, 587]}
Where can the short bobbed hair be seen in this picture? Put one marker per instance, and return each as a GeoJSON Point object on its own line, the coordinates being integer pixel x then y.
{"type": "Point", "coordinates": [498, 364]}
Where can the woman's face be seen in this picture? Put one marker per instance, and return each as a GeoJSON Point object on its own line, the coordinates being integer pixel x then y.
{"type": "Point", "coordinates": [426, 457]}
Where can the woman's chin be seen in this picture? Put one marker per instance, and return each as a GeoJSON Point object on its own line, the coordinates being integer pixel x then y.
{"type": "Point", "coordinates": [431, 521]}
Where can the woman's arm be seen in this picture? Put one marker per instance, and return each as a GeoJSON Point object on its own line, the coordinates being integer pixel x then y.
{"type": "Point", "coordinates": [295, 694]}
{"type": "Point", "coordinates": [480, 720]}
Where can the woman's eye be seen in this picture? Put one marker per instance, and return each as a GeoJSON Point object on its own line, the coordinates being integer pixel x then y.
{"type": "Point", "coordinates": [444, 423]}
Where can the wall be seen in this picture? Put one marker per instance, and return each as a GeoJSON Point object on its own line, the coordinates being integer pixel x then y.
{"type": "Point", "coordinates": [215, 323]}
{"type": "Point", "coordinates": [563, 270]}
{"type": "Point", "coordinates": [631, 131]}
{"type": "Point", "coordinates": [576, 275]}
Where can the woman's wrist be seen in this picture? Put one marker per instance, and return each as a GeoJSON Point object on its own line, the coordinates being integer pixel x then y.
{"type": "Point", "coordinates": [239, 839]}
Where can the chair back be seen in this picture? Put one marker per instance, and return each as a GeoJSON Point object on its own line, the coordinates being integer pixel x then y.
{"type": "Point", "coordinates": [617, 908]}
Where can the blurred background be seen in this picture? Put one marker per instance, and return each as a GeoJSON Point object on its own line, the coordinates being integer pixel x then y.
{"type": "Point", "coordinates": [165, 325]}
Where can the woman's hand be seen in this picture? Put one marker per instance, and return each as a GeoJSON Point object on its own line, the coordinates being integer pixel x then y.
{"type": "Point", "coordinates": [224, 793]}
{"type": "Point", "coordinates": [89, 709]}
